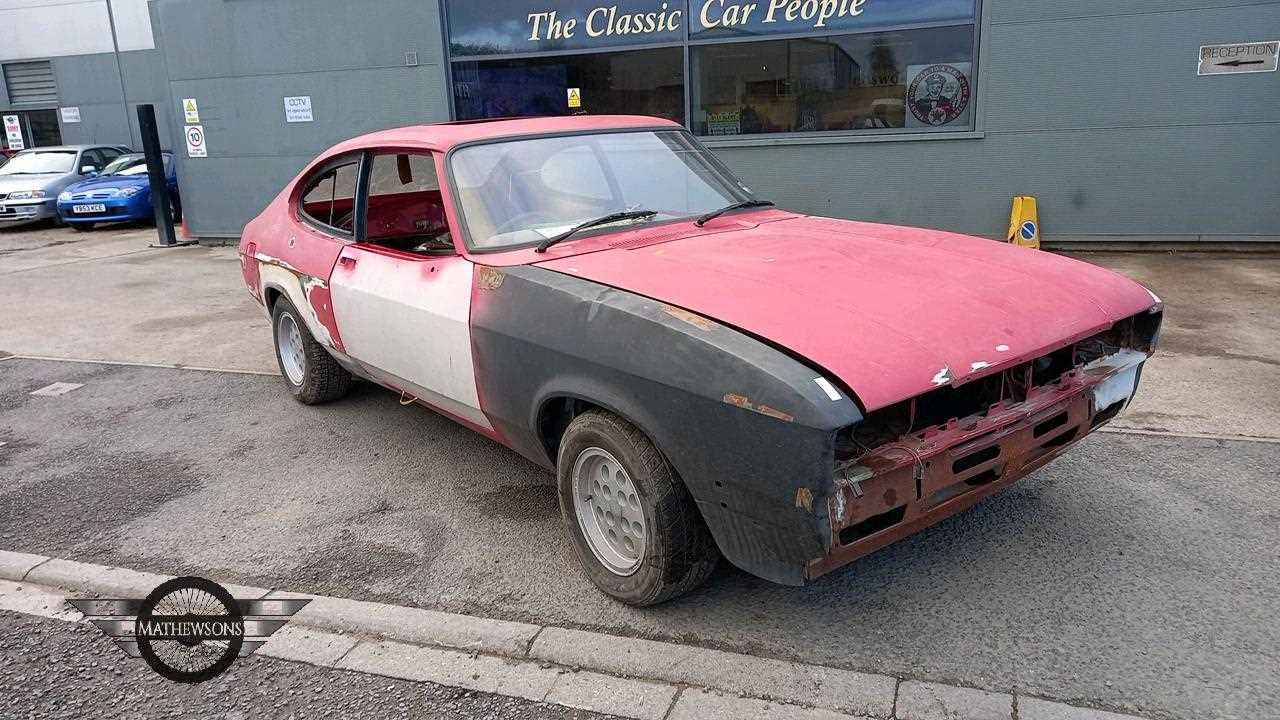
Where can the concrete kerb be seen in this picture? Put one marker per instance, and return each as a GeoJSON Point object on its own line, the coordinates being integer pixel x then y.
{"type": "Point", "coordinates": [629, 677]}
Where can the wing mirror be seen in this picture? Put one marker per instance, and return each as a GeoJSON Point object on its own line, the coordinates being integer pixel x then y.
{"type": "Point", "coordinates": [89, 170]}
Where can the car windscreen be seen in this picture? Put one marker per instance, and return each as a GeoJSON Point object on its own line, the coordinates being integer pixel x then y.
{"type": "Point", "coordinates": [38, 163]}
{"type": "Point", "coordinates": [131, 165]}
{"type": "Point", "coordinates": [126, 165]}
{"type": "Point", "coordinates": [522, 191]}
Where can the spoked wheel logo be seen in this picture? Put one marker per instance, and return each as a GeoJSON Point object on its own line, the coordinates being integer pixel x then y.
{"type": "Point", "coordinates": [190, 630]}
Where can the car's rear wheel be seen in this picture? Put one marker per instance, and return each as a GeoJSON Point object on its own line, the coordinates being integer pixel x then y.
{"type": "Point", "coordinates": [311, 373]}
{"type": "Point", "coordinates": [634, 526]}
{"type": "Point", "coordinates": [82, 226]}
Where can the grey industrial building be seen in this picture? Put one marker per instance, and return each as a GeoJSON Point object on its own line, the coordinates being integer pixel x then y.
{"type": "Point", "coordinates": [1137, 121]}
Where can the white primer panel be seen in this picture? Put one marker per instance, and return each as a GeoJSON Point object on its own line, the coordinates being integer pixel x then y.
{"type": "Point", "coordinates": [411, 319]}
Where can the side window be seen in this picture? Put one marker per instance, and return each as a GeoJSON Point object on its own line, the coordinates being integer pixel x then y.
{"type": "Point", "coordinates": [92, 158]}
{"type": "Point", "coordinates": [109, 154]}
{"type": "Point", "coordinates": [330, 198]}
{"type": "Point", "coordinates": [405, 208]}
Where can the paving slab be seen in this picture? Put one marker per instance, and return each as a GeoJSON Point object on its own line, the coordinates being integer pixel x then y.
{"type": "Point", "coordinates": [35, 600]}
{"type": "Point", "coordinates": [934, 701]}
{"type": "Point", "coordinates": [485, 673]}
{"type": "Point", "coordinates": [843, 690]}
{"type": "Point", "coordinates": [414, 625]}
{"type": "Point", "coordinates": [308, 645]}
{"type": "Point", "coordinates": [613, 695]}
{"type": "Point", "coordinates": [109, 581]}
{"type": "Point", "coordinates": [16, 565]}
{"type": "Point", "coordinates": [700, 704]}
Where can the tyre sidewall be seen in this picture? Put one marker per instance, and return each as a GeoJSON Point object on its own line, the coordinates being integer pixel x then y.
{"type": "Point", "coordinates": [284, 307]}
{"type": "Point", "coordinates": [645, 584]}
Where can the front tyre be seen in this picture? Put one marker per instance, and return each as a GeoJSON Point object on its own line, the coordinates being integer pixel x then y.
{"type": "Point", "coordinates": [634, 526]}
{"type": "Point", "coordinates": [311, 373]}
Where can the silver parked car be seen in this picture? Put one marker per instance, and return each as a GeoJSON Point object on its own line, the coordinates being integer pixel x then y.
{"type": "Point", "coordinates": [31, 181]}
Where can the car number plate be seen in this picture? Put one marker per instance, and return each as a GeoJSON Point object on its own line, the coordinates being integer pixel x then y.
{"type": "Point", "coordinates": [94, 208]}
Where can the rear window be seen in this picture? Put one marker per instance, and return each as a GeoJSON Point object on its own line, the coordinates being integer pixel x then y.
{"type": "Point", "coordinates": [330, 198]}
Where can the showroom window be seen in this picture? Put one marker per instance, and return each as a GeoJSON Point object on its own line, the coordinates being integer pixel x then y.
{"type": "Point", "coordinates": [724, 68]}
{"type": "Point", "coordinates": [916, 79]}
{"type": "Point", "coordinates": [636, 82]}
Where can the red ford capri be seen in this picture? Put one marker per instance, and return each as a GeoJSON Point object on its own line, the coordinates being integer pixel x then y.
{"type": "Point", "coordinates": [706, 374]}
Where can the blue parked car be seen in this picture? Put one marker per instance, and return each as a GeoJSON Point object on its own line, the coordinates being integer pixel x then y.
{"type": "Point", "coordinates": [120, 192]}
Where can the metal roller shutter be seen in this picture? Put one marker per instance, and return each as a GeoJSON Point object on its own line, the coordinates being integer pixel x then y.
{"type": "Point", "coordinates": [31, 83]}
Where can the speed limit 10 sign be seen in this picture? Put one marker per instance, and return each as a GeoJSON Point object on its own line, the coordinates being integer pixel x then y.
{"type": "Point", "coordinates": [195, 142]}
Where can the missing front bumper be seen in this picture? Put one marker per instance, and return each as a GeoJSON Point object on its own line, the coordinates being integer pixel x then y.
{"type": "Point", "coordinates": [907, 485]}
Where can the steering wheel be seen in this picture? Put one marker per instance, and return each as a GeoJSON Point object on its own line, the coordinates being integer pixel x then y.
{"type": "Point", "coordinates": [525, 218]}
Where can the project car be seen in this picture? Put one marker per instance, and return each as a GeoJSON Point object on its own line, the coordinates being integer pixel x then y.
{"type": "Point", "coordinates": [704, 373]}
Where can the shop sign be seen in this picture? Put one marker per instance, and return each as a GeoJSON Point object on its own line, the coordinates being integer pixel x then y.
{"type": "Point", "coordinates": [13, 132]}
{"type": "Point", "coordinates": [70, 114]}
{"type": "Point", "coordinates": [297, 109]}
{"type": "Point", "coordinates": [1239, 58]}
{"type": "Point", "coordinates": [495, 27]}
{"type": "Point", "coordinates": [732, 18]}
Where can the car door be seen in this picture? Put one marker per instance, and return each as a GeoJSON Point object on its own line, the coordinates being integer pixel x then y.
{"type": "Point", "coordinates": [402, 294]}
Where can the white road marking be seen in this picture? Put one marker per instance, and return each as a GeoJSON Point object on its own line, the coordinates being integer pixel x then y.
{"type": "Point", "coordinates": [128, 363]}
{"type": "Point", "coordinates": [56, 389]}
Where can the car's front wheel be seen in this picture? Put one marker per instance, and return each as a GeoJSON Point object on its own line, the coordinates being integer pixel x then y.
{"type": "Point", "coordinates": [313, 376]}
{"type": "Point", "coordinates": [634, 526]}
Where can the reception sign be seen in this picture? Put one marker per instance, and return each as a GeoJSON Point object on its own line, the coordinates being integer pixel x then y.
{"type": "Point", "coordinates": [501, 27]}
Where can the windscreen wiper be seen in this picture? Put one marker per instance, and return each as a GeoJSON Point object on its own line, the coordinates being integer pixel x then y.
{"type": "Point", "coordinates": [703, 220]}
{"type": "Point", "coordinates": [602, 220]}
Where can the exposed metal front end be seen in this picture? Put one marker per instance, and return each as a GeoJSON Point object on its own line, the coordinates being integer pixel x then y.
{"type": "Point", "coordinates": [906, 485]}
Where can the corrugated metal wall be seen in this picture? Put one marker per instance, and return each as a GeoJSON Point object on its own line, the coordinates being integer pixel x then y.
{"type": "Point", "coordinates": [1092, 106]}
{"type": "Point", "coordinates": [30, 83]}
{"type": "Point", "coordinates": [240, 60]}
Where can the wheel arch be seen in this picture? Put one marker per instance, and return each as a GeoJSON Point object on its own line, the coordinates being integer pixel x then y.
{"type": "Point", "coordinates": [556, 409]}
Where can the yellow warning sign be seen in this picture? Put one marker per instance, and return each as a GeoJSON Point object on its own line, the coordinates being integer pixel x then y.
{"type": "Point", "coordinates": [575, 98]}
{"type": "Point", "coordinates": [190, 111]}
{"type": "Point", "coordinates": [1024, 223]}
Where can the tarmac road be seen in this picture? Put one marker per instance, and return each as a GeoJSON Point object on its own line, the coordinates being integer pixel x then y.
{"type": "Point", "coordinates": [55, 669]}
{"type": "Point", "coordinates": [1136, 573]}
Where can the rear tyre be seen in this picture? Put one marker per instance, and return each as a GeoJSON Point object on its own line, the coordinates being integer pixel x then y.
{"type": "Point", "coordinates": [311, 373]}
{"type": "Point", "coordinates": [81, 226]}
{"type": "Point", "coordinates": [634, 526]}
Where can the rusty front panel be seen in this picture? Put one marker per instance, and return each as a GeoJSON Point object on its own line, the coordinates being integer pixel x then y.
{"type": "Point", "coordinates": [907, 485]}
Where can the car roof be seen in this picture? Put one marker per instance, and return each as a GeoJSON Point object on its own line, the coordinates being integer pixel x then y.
{"type": "Point", "coordinates": [72, 148]}
{"type": "Point", "coordinates": [444, 136]}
